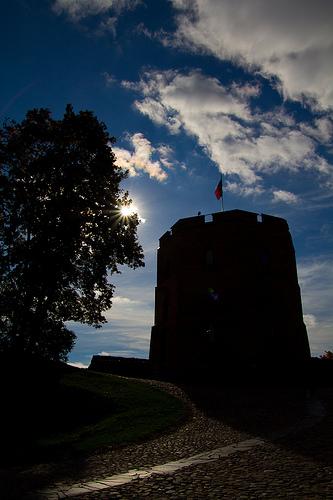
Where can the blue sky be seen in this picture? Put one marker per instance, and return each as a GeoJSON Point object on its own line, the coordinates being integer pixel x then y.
{"type": "Point", "coordinates": [190, 89]}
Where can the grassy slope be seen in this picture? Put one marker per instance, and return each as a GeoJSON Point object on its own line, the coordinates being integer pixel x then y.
{"type": "Point", "coordinates": [85, 411]}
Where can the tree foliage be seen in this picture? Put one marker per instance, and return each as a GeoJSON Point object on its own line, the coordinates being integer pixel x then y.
{"type": "Point", "coordinates": [61, 231]}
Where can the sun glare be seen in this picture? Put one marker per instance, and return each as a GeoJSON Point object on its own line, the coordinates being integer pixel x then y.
{"type": "Point", "coordinates": [128, 210]}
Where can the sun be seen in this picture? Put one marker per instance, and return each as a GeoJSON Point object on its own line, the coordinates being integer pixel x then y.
{"type": "Point", "coordinates": [128, 210]}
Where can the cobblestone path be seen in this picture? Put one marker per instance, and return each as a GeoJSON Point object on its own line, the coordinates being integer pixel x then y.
{"type": "Point", "coordinates": [298, 465]}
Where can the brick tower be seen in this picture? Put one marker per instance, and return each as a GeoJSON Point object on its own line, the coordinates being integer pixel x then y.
{"type": "Point", "coordinates": [227, 289]}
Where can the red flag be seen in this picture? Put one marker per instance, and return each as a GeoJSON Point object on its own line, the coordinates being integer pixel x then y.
{"type": "Point", "coordinates": [218, 190]}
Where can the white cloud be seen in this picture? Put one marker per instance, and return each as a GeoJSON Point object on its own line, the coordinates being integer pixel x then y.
{"type": "Point", "coordinates": [322, 130]}
{"type": "Point", "coordinates": [133, 315]}
{"type": "Point", "coordinates": [157, 112]}
{"type": "Point", "coordinates": [109, 79]}
{"type": "Point", "coordinates": [183, 90]}
{"type": "Point", "coordinates": [79, 9]}
{"type": "Point", "coordinates": [242, 190]}
{"type": "Point", "coordinates": [285, 196]}
{"type": "Point", "coordinates": [77, 364]}
{"type": "Point", "coordinates": [118, 338]}
{"type": "Point", "coordinates": [140, 160]}
{"type": "Point", "coordinates": [289, 40]}
{"type": "Point", "coordinates": [122, 300]}
{"type": "Point", "coordinates": [241, 142]}
{"type": "Point", "coordinates": [310, 320]}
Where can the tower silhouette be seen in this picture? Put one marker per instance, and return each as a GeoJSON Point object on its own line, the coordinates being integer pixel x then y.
{"type": "Point", "coordinates": [227, 289]}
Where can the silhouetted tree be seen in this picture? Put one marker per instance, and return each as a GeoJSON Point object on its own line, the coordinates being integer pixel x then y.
{"type": "Point", "coordinates": [61, 230]}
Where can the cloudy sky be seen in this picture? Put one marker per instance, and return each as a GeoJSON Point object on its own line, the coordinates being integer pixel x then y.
{"type": "Point", "coordinates": [190, 88]}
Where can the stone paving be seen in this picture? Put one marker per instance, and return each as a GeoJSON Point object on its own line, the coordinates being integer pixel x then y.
{"type": "Point", "coordinates": [63, 491]}
{"type": "Point", "coordinates": [299, 465]}
{"type": "Point", "coordinates": [264, 472]}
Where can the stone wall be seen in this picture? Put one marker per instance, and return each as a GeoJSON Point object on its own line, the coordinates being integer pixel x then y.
{"type": "Point", "coordinates": [127, 367]}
